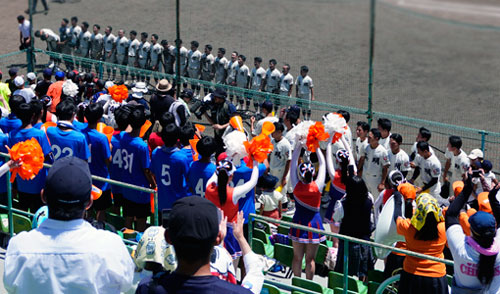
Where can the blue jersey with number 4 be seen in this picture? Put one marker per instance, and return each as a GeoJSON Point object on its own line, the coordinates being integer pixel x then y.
{"type": "Point", "coordinates": [241, 176]}
{"type": "Point", "coordinates": [68, 143]}
{"type": "Point", "coordinates": [198, 176]}
{"type": "Point", "coordinates": [35, 185]}
{"type": "Point", "coordinates": [170, 167]}
{"type": "Point", "coordinates": [132, 160]}
{"type": "Point", "coordinates": [99, 153]}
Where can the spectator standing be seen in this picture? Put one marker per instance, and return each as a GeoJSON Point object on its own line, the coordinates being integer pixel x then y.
{"type": "Point", "coordinates": [64, 253]}
{"type": "Point", "coordinates": [24, 32]}
{"type": "Point", "coordinates": [202, 169]}
{"type": "Point", "coordinates": [26, 93]}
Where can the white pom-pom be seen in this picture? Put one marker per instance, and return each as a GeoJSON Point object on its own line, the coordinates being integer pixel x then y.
{"type": "Point", "coordinates": [235, 148]}
{"type": "Point", "coordinates": [70, 89]}
{"type": "Point", "coordinates": [300, 131]}
{"type": "Point", "coordinates": [335, 123]}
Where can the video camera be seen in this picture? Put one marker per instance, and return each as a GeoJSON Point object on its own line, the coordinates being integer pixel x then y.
{"type": "Point", "coordinates": [203, 106]}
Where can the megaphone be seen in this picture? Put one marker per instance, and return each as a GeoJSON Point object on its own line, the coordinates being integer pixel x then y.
{"type": "Point", "coordinates": [237, 123]}
{"type": "Point", "coordinates": [386, 232]}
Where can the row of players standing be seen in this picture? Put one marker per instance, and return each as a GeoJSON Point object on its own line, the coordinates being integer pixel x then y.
{"type": "Point", "coordinates": [161, 56]}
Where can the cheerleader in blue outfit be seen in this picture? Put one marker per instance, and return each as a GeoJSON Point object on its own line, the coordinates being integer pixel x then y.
{"type": "Point", "coordinates": [307, 205]}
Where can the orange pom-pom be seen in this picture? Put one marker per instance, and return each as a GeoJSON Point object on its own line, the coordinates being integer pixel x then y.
{"type": "Point", "coordinates": [316, 134]}
{"type": "Point", "coordinates": [259, 147]}
{"type": "Point", "coordinates": [119, 93]}
{"type": "Point", "coordinates": [31, 155]}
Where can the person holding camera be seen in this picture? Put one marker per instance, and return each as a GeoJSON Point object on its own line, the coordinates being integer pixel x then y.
{"type": "Point", "coordinates": [221, 111]}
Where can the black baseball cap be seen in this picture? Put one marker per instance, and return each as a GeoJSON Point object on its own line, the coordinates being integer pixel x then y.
{"type": "Point", "coordinates": [193, 219]}
{"type": "Point", "coordinates": [68, 181]}
{"type": "Point", "coordinates": [220, 93]}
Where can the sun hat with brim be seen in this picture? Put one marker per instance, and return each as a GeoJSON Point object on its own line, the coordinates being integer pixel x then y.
{"type": "Point", "coordinates": [153, 248]}
{"type": "Point", "coordinates": [163, 86]}
{"type": "Point", "coordinates": [140, 87]}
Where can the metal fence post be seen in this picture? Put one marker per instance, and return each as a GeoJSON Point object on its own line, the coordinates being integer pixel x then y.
{"type": "Point", "coordinates": [370, 60]}
{"type": "Point", "coordinates": [9, 204]}
{"type": "Point", "coordinates": [101, 70]}
{"type": "Point", "coordinates": [346, 265]}
{"type": "Point", "coordinates": [156, 208]}
{"type": "Point", "coordinates": [483, 139]}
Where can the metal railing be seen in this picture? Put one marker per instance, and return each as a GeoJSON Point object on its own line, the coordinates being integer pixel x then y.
{"type": "Point", "coordinates": [11, 209]}
{"type": "Point", "coordinates": [346, 240]}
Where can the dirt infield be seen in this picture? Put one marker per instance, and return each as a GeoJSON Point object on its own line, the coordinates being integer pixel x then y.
{"type": "Point", "coordinates": [425, 67]}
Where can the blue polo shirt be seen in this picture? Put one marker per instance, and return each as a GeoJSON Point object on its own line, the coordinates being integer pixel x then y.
{"type": "Point", "coordinates": [79, 126]}
{"type": "Point", "coordinates": [242, 175]}
{"type": "Point", "coordinates": [99, 152]}
{"type": "Point", "coordinates": [4, 140]}
{"type": "Point", "coordinates": [170, 167]}
{"type": "Point", "coordinates": [132, 160]}
{"type": "Point", "coordinates": [68, 143]}
{"type": "Point", "coordinates": [7, 124]}
{"type": "Point", "coordinates": [198, 176]}
{"type": "Point", "coordinates": [35, 185]}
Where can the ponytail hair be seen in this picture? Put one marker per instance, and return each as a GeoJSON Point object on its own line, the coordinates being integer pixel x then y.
{"type": "Point", "coordinates": [486, 264]}
{"type": "Point", "coordinates": [222, 180]}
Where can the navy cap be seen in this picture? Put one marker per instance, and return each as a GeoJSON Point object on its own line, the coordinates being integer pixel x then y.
{"type": "Point", "coordinates": [68, 181]}
{"type": "Point", "coordinates": [487, 165]}
{"type": "Point", "coordinates": [483, 224]}
{"type": "Point", "coordinates": [267, 181]}
{"type": "Point", "coordinates": [60, 74]}
{"type": "Point", "coordinates": [187, 93]}
{"type": "Point", "coordinates": [267, 105]}
{"type": "Point", "coordinates": [47, 72]}
{"type": "Point", "coordinates": [193, 219]}
{"type": "Point", "coordinates": [13, 71]}
{"type": "Point", "coordinates": [220, 92]}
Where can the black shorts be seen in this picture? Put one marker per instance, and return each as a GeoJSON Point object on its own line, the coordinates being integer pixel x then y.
{"type": "Point", "coordinates": [30, 201]}
{"type": "Point", "coordinates": [139, 210]}
{"type": "Point", "coordinates": [104, 202]}
{"type": "Point", "coordinates": [118, 199]}
{"type": "Point", "coordinates": [413, 284]}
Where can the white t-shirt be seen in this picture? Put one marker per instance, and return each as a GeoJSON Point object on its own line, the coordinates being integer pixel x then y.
{"type": "Point", "coordinates": [156, 52]}
{"type": "Point", "coordinates": [270, 199]}
{"type": "Point", "coordinates": [272, 79]}
{"type": "Point", "coordinates": [220, 69]}
{"type": "Point", "coordinates": [258, 74]}
{"type": "Point", "coordinates": [183, 56]}
{"type": "Point", "coordinates": [360, 146]}
{"type": "Point", "coordinates": [430, 168]}
{"type": "Point", "coordinates": [286, 82]}
{"type": "Point", "coordinates": [385, 142]}
{"type": "Point", "coordinates": [109, 42]}
{"type": "Point", "coordinates": [25, 28]}
{"type": "Point", "coordinates": [194, 59]}
{"type": "Point", "coordinates": [133, 47]}
{"type": "Point", "coordinates": [27, 93]}
{"type": "Point", "coordinates": [207, 63]}
{"type": "Point", "coordinates": [243, 76]}
{"type": "Point", "coordinates": [459, 164]}
{"type": "Point", "coordinates": [304, 85]}
{"type": "Point", "coordinates": [281, 153]}
{"type": "Point", "coordinates": [399, 161]}
{"type": "Point", "coordinates": [466, 261]}
{"type": "Point", "coordinates": [375, 160]}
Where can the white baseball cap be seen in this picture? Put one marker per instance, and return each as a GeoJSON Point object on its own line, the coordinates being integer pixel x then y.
{"type": "Point", "coordinates": [19, 81]}
{"type": "Point", "coordinates": [109, 84]}
{"type": "Point", "coordinates": [476, 153]}
{"type": "Point", "coordinates": [31, 76]}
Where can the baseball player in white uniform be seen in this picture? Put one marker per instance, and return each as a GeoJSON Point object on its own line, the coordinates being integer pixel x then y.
{"type": "Point", "coordinates": [232, 70]}
{"type": "Point", "coordinates": [271, 83]}
{"type": "Point", "coordinates": [156, 55]}
{"type": "Point", "coordinates": [168, 58]}
{"type": "Point", "coordinates": [258, 74]}
{"type": "Point", "coordinates": [183, 58]}
{"type": "Point", "coordinates": [64, 43]}
{"type": "Point", "coordinates": [52, 39]}
{"type": "Point", "coordinates": [143, 56]}
{"type": "Point", "coordinates": [457, 162]}
{"type": "Point", "coordinates": [398, 157]}
{"type": "Point", "coordinates": [242, 81]}
{"type": "Point", "coordinates": [207, 67]}
{"type": "Point", "coordinates": [194, 66]}
{"type": "Point", "coordinates": [305, 90]}
{"type": "Point", "coordinates": [96, 45]}
{"type": "Point", "coordinates": [220, 65]}
{"type": "Point", "coordinates": [384, 126]}
{"type": "Point", "coordinates": [280, 156]}
{"type": "Point", "coordinates": [362, 129]}
{"type": "Point", "coordinates": [286, 81]}
{"type": "Point", "coordinates": [109, 55]}
{"type": "Point", "coordinates": [132, 61]}
{"type": "Point", "coordinates": [122, 44]}
{"type": "Point", "coordinates": [374, 164]}
{"type": "Point", "coordinates": [74, 34]}
{"type": "Point", "coordinates": [84, 46]}
{"type": "Point", "coordinates": [428, 168]}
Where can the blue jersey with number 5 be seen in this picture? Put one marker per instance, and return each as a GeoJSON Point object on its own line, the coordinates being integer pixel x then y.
{"type": "Point", "coordinates": [132, 160]}
{"type": "Point", "coordinates": [170, 167]}
{"type": "Point", "coordinates": [68, 143]}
